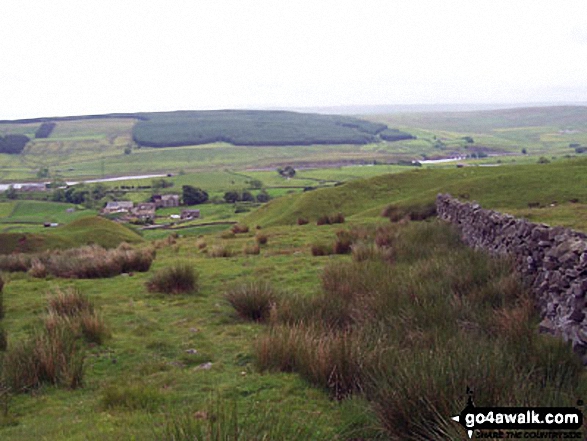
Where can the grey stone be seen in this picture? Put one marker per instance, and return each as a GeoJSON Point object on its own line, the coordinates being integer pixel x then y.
{"type": "Point", "coordinates": [204, 367]}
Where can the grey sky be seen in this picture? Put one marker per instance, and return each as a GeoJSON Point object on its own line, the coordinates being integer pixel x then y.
{"type": "Point", "coordinates": [68, 57]}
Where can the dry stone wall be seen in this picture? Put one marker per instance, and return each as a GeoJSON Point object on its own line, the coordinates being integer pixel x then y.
{"type": "Point", "coordinates": [553, 260]}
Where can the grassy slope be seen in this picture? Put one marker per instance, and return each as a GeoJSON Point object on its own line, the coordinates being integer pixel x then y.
{"type": "Point", "coordinates": [508, 188]}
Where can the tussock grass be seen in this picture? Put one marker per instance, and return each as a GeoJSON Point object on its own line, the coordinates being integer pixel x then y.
{"type": "Point", "coordinates": [329, 219]}
{"type": "Point", "coordinates": [53, 353]}
{"type": "Point", "coordinates": [70, 308]}
{"type": "Point", "coordinates": [362, 252]}
{"type": "Point", "coordinates": [261, 238]}
{"type": "Point", "coordinates": [396, 213]}
{"type": "Point", "coordinates": [343, 242]}
{"type": "Point", "coordinates": [252, 300]}
{"type": "Point", "coordinates": [87, 262]}
{"type": "Point", "coordinates": [1, 297]}
{"type": "Point", "coordinates": [239, 229]}
{"type": "Point", "coordinates": [220, 419]}
{"type": "Point", "coordinates": [413, 334]}
{"type": "Point", "coordinates": [49, 356]}
{"type": "Point", "coordinates": [229, 234]}
{"type": "Point", "coordinates": [69, 303]}
{"type": "Point", "coordinates": [179, 278]}
{"type": "Point", "coordinates": [322, 249]}
{"type": "Point", "coordinates": [251, 249]}
{"type": "Point", "coordinates": [219, 250]}
{"type": "Point", "coordinates": [131, 397]}
{"type": "Point", "coordinates": [3, 339]}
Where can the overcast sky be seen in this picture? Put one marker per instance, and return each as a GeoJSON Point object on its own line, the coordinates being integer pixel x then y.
{"type": "Point", "coordinates": [71, 57]}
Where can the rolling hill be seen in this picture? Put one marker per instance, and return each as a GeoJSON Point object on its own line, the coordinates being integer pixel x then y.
{"type": "Point", "coordinates": [557, 190]}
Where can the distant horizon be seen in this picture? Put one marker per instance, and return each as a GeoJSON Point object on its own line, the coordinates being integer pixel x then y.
{"type": "Point", "coordinates": [351, 109]}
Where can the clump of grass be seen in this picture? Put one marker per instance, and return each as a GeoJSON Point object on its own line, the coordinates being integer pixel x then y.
{"type": "Point", "coordinates": [363, 252]}
{"type": "Point", "coordinates": [219, 251]}
{"type": "Point", "coordinates": [343, 242]}
{"type": "Point", "coordinates": [227, 235]}
{"type": "Point", "coordinates": [251, 249]}
{"type": "Point", "coordinates": [322, 249]}
{"type": "Point", "coordinates": [1, 297]}
{"type": "Point", "coordinates": [84, 263]}
{"type": "Point", "coordinates": [71, 308]}
{"type": "Point", "coordinates": [69, 302]}
{"type": "Point", "coordinates": [3, 339]}
{"type": "Point", "coordinates": [38, 269]}
{"type": "Point", "coordinates": [385, 235]}
{"type": "Point", "coordinates": [52, 356]}
{"type": "Point", "coordinates": [177, 279]}
{"type": "Point", "coordinates": [261, 238]}
{"type": "Point", "coordinates": [337, 218]}
{"type": "Point", "coordinates": [397, 213]}
{"type": "Point", "coordinates": [201, 243]}
{"type": "Point", "coordinates": [323, 220]}
{"type": "Point", "coordinates": [18, 262]}
{"type": "Point", "coordinates": [221, 420]}
{"type": "Point", "coordinates": [239, 229]}
{"type": "Point", "coordinates": [325, 358]}
{"type": "Point", "coordinates": [131, 397]}
{"type": "Point", "coordinates": [252, 300]}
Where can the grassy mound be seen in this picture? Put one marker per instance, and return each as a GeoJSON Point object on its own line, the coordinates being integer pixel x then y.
{"type": "Point", "coordinates": [99, 231]}
{"type": "Point", "coordinates": [84, 231]}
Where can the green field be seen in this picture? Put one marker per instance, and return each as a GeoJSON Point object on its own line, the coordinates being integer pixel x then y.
{"type": "Point", "coordinates": [95, 147]}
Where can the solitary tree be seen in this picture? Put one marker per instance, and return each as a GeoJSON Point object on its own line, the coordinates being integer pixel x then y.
{"type": "Point", "coordinates": [287, 172]}
{"type": "Point", "coordinates": [231, 196]}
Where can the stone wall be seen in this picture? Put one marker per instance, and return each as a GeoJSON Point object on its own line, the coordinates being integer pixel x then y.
{"type": "Point", "coordinates": [553, 260]}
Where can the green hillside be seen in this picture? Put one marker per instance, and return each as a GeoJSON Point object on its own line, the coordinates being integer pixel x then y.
{"type": "Point", "coordinates": [507, 188]}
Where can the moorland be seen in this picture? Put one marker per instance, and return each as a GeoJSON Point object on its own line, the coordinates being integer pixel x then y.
{"type": "Point", "coordinates": [323, 301]}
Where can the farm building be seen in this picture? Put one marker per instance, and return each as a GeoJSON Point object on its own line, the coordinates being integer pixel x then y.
{"type": "Point", "coordinates": [166, 200]}
{"type": "Point", "coordinates": [118, 207]}
{"type": "Point", "coordinates": [190, 214]}
{"type": "Point", "coordinates": [144, 210]}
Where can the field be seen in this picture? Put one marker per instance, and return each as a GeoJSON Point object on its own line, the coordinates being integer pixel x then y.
{"type": "Point", "coordinates": [96, 147]}
{"type": "Point", "coordinates": [340, 310]}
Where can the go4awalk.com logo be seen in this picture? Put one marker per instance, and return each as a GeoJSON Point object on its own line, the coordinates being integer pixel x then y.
{"type": "Point", "coordinates": [520, 422]}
